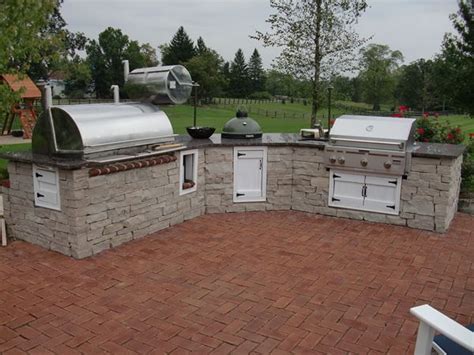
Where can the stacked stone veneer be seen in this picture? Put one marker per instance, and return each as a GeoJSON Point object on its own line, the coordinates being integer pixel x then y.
{"type": "Point", "coordinates": [101, 212]}
{"type": "Point", "coordinates": [220, 182]}
{"type": "Point", "coordinates": [428, 195]}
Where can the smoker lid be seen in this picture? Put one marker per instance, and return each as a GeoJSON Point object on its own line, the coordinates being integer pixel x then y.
{"type": "Point", "coordinates": [83, 129]}
{"type": "Point", "coordinates": [372, 128]}
{"type": "Point", "coordinates": [241, 126]}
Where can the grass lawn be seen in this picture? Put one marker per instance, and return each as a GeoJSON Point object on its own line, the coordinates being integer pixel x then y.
{"type": "Point", "coordinates": [289, 118]}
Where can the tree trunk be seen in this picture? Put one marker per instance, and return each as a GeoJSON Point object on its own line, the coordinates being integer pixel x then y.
{"type": "Point", "coordinates": [317, 65]}
{"type": "Point", "coordinates": [315, 101]}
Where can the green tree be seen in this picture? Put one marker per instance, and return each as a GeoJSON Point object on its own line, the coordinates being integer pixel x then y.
{"type": "Point", "coordinates": [201, 47]}
{"type": "Point", "coordinates": [105, 58]}
{"type": "Point", "coordinates": [140, 56]}
{"type": "Point", "coordinates": [226, 77]}
{"type": "Point", "coordinates": [61, 45]}
{"type": "Point", "coordinates": [179, 50]}
{"type": "Point", "coordinates": [458, 58]}
{"type": "Point", "coordinates": [20, 24]}
{"type": "Point", "coordinates": [317, 39]}
{"type": "Point", "coordinates": [20, 44]}
{"type": "Point", "coordinates": [205, 68]}
{"type": "Point", "coordinates": [239, 76]}
{"type": "Point", "coordinates": [280, 84]}
{"type": "Point", "coordinates": [415, 87]}
{"type": "Point", "coordinates": [256, 72]}
{"type": "Point", "coordinates": [343, 88]}
{"type": "Point", "coordinates": [78, 78]}
{"type": "Point", "coordinates": [377, 75]}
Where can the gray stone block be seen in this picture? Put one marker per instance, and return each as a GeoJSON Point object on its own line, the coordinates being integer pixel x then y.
{"type": "Point", "coordinates": [421, 205]}
{"type": "Point", "coordinates": [101, 246]}
{"type": "Point", "coordinates": [421, 222]}
{"type": "Point", "coordinates": [123, 238]}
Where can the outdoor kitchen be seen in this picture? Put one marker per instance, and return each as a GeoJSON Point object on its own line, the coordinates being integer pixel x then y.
{"type": "Point", "coordinates": [100, 175]}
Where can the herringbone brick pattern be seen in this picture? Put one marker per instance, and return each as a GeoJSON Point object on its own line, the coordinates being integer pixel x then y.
{"type": "Point", "coordinates": [274, 282]}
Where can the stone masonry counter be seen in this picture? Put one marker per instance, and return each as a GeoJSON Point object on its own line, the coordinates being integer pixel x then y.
{"type": "Point", "coordinates": [100, 212]}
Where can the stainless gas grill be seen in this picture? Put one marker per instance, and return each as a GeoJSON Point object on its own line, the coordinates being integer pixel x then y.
{"type": "Point", "coordinates": [381, 145]}
{"type": "Point", "coordinates": [367, 157]}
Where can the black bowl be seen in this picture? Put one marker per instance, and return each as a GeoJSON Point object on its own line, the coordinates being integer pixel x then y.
{"type": "Point", "coordinates": [200, 132]}
{"type": "Point", "coordinates": [17, 133]}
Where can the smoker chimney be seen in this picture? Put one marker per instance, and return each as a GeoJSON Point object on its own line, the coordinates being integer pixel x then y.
{"type": "Point", "coordinates": [126, 69]}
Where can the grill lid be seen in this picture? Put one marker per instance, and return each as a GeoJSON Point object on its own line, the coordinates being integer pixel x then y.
{"type": "Point", "coordinates": [86, 129]}
{"type": "Point", "coordinates": [373, 131]}
{"type": "Point", "coordinates": [241, 126]}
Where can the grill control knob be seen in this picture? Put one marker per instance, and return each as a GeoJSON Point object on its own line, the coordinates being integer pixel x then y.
{"type": "Point", "coordinates": [341, 160]}
{"type": "Point", "coordinates": [364, 162]}
{"type": "Point", "coordinates": [332, 159]}
{"type": "Point", "coordinates": [387, 164]}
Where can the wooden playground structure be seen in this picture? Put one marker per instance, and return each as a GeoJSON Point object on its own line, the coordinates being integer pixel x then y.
{"type": "Point", "coordinates": [24, 109]}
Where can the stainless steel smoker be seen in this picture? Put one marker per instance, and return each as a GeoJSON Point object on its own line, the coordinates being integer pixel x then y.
{"type": "Point", "coordinates": [116, 131]}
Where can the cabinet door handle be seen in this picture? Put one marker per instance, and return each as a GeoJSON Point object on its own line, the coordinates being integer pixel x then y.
{"type": "Point", "coordinates": [261, 164]}
{"type": "Point", "coordinates": [241, 154]}
{"type": "Point", "coordinates": [39, 195]}
{"type": "Point", "coordinates": [239, 194]}
{"type": "Point", "coordinates": [364, 191]}
{"type": "Point", "coordinates": [38, 175]}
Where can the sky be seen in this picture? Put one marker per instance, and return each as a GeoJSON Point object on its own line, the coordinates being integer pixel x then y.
{"type": "Point", "coordinates": [415, 27]}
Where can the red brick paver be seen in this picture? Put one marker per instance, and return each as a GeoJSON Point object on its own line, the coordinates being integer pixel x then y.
{"type": "Point", "coordinates": [280, 282]}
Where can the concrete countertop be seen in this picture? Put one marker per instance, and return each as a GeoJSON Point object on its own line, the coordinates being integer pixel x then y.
{"type": "Point", "coordinates": [267, 139]}
{"type": "Point", "coordinates": [425, 150]}
{"type": "Point", "coordinates": [438, 150]}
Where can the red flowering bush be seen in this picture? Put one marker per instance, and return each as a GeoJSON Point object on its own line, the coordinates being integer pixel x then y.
{"type": "Point", "coordinates": [451, 135]}
{"type": "Point", "coordinates": [426, 130]}
{"type": "Point", "coordinates": [432, 130]}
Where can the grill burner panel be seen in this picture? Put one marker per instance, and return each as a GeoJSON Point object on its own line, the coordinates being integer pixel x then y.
{"type": "Point", "coordinates": [360, 160]}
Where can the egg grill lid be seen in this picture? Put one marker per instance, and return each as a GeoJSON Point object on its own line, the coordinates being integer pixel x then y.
{"type": "Point", "coordinates": [241, 126]}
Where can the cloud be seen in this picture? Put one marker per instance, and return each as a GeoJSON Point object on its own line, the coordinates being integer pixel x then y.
{"type": "Point", "coordinates": [416, 27]}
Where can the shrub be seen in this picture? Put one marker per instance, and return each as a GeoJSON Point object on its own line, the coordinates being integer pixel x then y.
{"type": "Point", "coordinates": [261, 95]}
{"type": "Point", "coordinates": [432, 130]}
{"type": "Point", "coordinates": [426, 130]}
{"type": "Point", "coordinates": [467, 170]}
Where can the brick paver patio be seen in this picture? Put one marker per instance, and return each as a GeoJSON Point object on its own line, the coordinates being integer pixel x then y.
{"type": "Point", "coordinates": [273, 282]}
